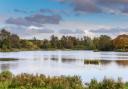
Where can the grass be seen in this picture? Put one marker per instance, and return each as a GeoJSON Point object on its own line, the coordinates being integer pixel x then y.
{"type": "Point", "coordinates": [97, 61]}
{"type": "Point", "coordinates": [126, 86]}
{"type": "Point", "coordinates": [8, 59]}
{"type": "Point", "coordinates": [121, 50]}
{"type": "Point", "coordinates": [91, 61]}
{"type": "Point", "coordinates": [30, 81]}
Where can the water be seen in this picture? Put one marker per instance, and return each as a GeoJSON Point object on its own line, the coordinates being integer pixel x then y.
{"type": "Point", "coordinates": [55, 63]}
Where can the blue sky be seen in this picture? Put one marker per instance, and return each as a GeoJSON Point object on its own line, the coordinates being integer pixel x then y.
{"type": "Point", "coordinates": [42, 18]}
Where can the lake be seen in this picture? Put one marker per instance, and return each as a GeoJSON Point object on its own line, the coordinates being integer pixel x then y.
{"type": "Point", "coordinates": [55, 63]}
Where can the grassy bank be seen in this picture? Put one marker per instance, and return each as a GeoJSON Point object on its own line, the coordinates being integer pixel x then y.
{"type": "Point", "coordinates": [53, 49]}
{"type": "Point", "coordinates": [29, 81]}
{"type": "Point", "coordinates": [38, 49]}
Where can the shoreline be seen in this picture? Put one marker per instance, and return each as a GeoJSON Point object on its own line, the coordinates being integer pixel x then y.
{"type": "Point", "coordinates": [52, 49]}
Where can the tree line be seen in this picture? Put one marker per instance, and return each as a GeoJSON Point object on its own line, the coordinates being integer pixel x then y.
{"type": "Point", "coordinates": [9, 41]}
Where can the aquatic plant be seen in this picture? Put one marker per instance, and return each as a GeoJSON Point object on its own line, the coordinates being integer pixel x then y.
{"type": "Point", "coordinates": [91, 61]}
{"type": "Point", "coordinates": [8, 59]}
{"type": "Point", "coordinates": [97, 61]}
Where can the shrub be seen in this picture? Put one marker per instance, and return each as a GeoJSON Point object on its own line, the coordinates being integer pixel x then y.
{"type": "Point", "coordinates": [106, 84]}
{"type": "Point", "coordinates": [5, 75]}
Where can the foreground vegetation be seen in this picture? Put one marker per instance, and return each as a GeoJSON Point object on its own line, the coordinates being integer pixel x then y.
{"type": "Point", "coordinates": [12, 42]}
{"type": "Point", "coordinates": [28, 81]}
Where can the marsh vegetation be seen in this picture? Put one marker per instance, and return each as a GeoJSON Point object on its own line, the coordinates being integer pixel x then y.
{"type": "Point", "coordinates": [29, 81]}
{"type": "Point", "coordinates": [8, 59]}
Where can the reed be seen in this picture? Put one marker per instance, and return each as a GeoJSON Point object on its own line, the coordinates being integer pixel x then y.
{"type": "Point", "coordinates": [30, 81]}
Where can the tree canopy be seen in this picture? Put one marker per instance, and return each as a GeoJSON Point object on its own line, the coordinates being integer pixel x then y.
{"type": "Point", "coordinates": [9, 41]}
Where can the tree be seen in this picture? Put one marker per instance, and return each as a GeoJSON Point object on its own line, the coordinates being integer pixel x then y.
{"type": "Point", "coordinates": [46, 44]}
{"type": "Point", "coordinates": [28, 44]}
{"type": "Point", "coordinates": [105, 43]}
{"type": "Point", "coordinates": [95, 43]}
{"type": "Point", "coordinates": [63, 41]}
{"type": "Point", "coordinates": [54, 41]}
{"type": "Point", "coordinates": [37, 42]}
{"type": "Point", "coordinates": [5, 42]}
{"type": "Point", "coordinates": [15, 41]}
{"type": "Point", "coordinates": [121, 42]}
{"type": "Point", "coordinates": [88, 42]}
{"type": "Point", "coordinates": [67, 42]}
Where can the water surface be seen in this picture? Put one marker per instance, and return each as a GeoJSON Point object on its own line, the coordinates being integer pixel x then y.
{"type": "Point", "coordinates": [56, 63]}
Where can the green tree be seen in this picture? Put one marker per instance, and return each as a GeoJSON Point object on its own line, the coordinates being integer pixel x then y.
{"type": "Point", "coordinates": [15, 41]}
{"type": "Point", "coordinates": [95, 43]}
{"type": "Point", "coordinates": [28, 44]}
{"type": "Point", "coordinates": [45, 44]}
{"type": "Point", "coordinates": [5, 42]}
{"type": "Point", "coordinates": [54, 41]}
{"type": "Point", "coordinates": [105, 43]}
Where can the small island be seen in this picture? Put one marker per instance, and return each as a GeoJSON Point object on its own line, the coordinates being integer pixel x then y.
{"type": "Point", "coordinates": [8, 59]}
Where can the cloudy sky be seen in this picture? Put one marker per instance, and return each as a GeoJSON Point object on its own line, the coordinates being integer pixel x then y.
{"type": "Point", "coordinates": [43, 18]}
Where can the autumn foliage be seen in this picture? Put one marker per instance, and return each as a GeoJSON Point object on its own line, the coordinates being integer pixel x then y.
{"type": "Point", "coordinates": [121, 42]}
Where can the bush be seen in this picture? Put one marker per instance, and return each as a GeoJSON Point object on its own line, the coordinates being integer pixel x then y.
{"type": "Point", "coordinates": [106, 84]}
{"type": "Point", "coordinates": [5, 75]}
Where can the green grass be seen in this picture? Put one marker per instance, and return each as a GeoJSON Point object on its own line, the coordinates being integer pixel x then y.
{"type": "Point", "coordinates": [97, 61]}
{"type": "Point", "coordinates": [126, 86]}
{"type": "Point", "coordinates": [91, 61]}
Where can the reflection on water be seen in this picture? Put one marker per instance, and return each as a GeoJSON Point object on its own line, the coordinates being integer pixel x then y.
{"type": "Point", "coordinates": [7, 66]}
{"type": "Point", "coordinates": [97, 62]}
{"type": "Point", "coordinates": [68, 60]}
{"type": "Point", "coordinates": [122, 62]}
{"type": "Point", "coordinates": [56, 63]}
{"type": "Point", "coordinates": [54, 58]}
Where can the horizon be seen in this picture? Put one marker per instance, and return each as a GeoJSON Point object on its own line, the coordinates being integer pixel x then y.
{"type": "Point", "coordinates": [43, 18]}
{"type": "Point", "coordinates": [59, 37]}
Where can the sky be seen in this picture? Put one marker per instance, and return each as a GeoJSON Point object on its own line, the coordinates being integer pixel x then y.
{"type": "Point", "coordinates": [43, 18]}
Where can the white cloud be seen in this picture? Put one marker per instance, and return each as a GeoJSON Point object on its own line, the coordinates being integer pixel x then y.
{"type": "Point", "coordinates": [54, 29]}
{"type": "Point", "coordinates": [77, 25]}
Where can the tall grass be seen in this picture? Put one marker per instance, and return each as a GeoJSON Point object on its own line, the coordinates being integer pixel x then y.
{"type": "Point", "coordinates": [29, 81]}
